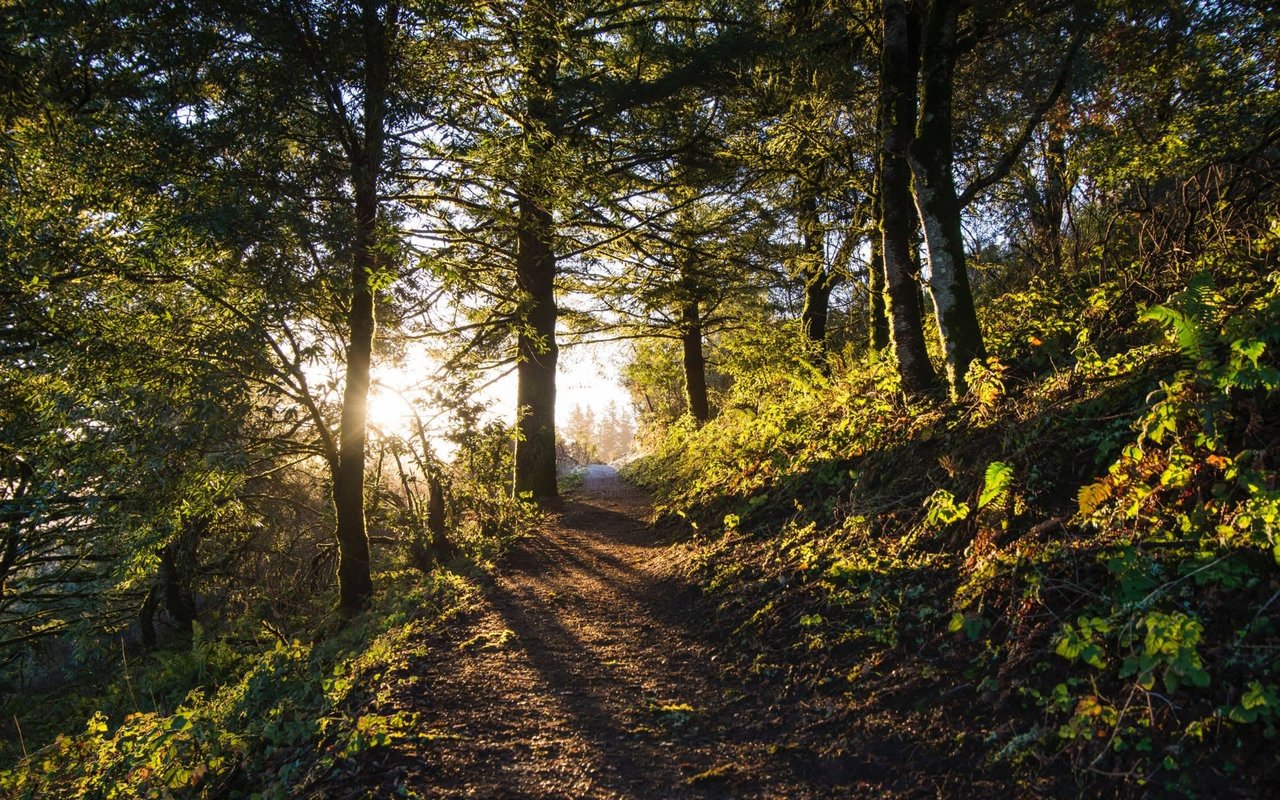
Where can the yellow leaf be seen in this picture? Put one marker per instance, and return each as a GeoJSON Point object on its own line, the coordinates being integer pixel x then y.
{"type": "Point", "coordinates": [1088, 706]}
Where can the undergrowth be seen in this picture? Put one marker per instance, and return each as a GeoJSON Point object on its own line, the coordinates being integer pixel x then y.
{"type": "Point", "coordinates": [1077, 562]}
{"type": "Point", "coordinates": [269, 694]}
{"type": "Point", "coordinates": [287, 718]}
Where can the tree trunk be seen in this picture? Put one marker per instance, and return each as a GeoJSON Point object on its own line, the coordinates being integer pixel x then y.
{"type": "Point", "coordinates": [537, 352]}
{"type": "Point", "coordinates": [813, 270]}
{"type": "Point", "coordinates": [178, 562]}
{"type": "Point", "coordinates": [936, 199]}
{"type": "Point", "coordinates": [16, 515]}
{"type": "Point", "coordinates": [354, 582]}
{"type": "Point", "coordinates": [1049, 208]}
{"type": "Point", "coordinates": [173, 587]}
{"type": "Point", "coordinates": [441, 546]}
{"type": "Point", "coordinates": [695, 365]}
{"type": "Point", "coordinates": [817, 303]}
{"type": "Point", "coordinates": [879, 322]}
{"type": "Point", "coordinates": [536, 349]}
{"type": "Point", "coordinates": [898, 62]}
{"type": "Point", "coordinates": [147, 617]}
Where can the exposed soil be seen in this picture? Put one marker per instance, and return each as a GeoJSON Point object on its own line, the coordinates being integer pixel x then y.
{"type": "Point", "coordinates": [586, 673]}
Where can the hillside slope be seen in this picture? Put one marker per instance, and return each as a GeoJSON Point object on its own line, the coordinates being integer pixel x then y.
{"type": "Point", "coordinates": [1076, 565]}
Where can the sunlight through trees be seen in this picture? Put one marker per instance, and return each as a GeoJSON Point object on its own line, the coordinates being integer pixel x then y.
{"type": "Point", "coordinates": [937, 327]}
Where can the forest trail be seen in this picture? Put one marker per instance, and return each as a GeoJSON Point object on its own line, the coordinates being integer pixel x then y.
{"type": "Point", "coordinates": [583, 675]}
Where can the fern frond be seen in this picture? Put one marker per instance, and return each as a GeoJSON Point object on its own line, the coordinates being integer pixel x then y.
{"type": "Point", "coordinates": [996, 485]}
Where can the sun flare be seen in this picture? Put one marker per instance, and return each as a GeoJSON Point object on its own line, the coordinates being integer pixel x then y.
{"type": "Point", "coordinates": [390, 411]}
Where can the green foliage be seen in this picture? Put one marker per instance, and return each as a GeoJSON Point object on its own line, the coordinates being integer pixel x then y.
{"type": "Point", "coordinates": [1034, 325]}
{"type": "Point", "coordinates": [1080, 641]}
{"type": "Point", "coordinates": [842, 556]}
{"type": "Point", "coordinates": [290, 716]}
{"type": "Point", "coordinates": [971, 624]}
{"type": "Point", "coordinates": [986, 385]}
{"type": "Point", "coordinates": [1259, 702]}
{"type": "Point", "coordinates": [941, 508]}
{"type": "Point", "coordinates": [996, 484]}
{"type": "Point", "coordinates": [1170, 648]}
{"type": "Point", "coordinates": [656, 383]}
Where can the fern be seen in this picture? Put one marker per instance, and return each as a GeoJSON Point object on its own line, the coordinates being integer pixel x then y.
{"type": "Point", "coordinates": [995, 487]}
{"type": "Point", "coordinates": [1189, 337]}
{"type": "Point", "coordinates": [1190, 317]}
{"type": "Point", "coordinates": [1093, 495]}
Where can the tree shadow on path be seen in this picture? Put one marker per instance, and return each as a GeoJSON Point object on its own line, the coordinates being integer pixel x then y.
{"type": "Point", "coordinates": [583, 674]}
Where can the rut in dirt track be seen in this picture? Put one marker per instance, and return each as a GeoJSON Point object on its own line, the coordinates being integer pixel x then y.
{"type": "Point", "coordinates": [583, 676]}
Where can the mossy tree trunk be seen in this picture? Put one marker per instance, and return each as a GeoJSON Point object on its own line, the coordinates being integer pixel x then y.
{"type": "Point", "coordinates": [1048, 206]}
{"type": "Point", "coordinates": [879, 319]}
{"type": "Point", "coordinates": [936, 199]}
{"type": "Point", "coordinates": [898, 66]}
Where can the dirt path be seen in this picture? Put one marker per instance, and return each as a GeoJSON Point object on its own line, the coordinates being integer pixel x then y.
{"type": "Point", "coordinates": [583, 676]}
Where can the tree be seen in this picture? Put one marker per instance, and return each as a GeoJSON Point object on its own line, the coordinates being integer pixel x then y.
{"type": "Point", "coordinates": [899, 59]}
{"type": "Point", "coordinates": [536, 349]}
{"type": "Point", "coordinates": [366, 153]}
{"type": "Point", "coordinates": [335, 79]}
{"type": "Point", "coordinates": [933, 183]}
{"type": "Point", "coordinates": [932, 158]}
{"type": "Point", "coordinates": [689, 266]}
{"type": "Point", "coordinates": [345, 81]}
{"type": "Point", "coordinates": [128, 415]}
{"type": "Point", "coordinates": [616, 433]}
{"type": "Point", "coordinates": [922, 44]}
{"type": "Point", "coordinates": [581, 435]}
{"type": "Point", "coordinates": [491, 201]}
{"type": "Point", "coordinates": [534, 165]}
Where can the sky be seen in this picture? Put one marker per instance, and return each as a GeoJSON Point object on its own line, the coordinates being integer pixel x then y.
{"type": "Point", "coordinates": [589, 375]}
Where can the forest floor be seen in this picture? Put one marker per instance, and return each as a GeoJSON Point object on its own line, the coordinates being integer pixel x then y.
{"type": "Point", "coordinates": [589, 670]}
